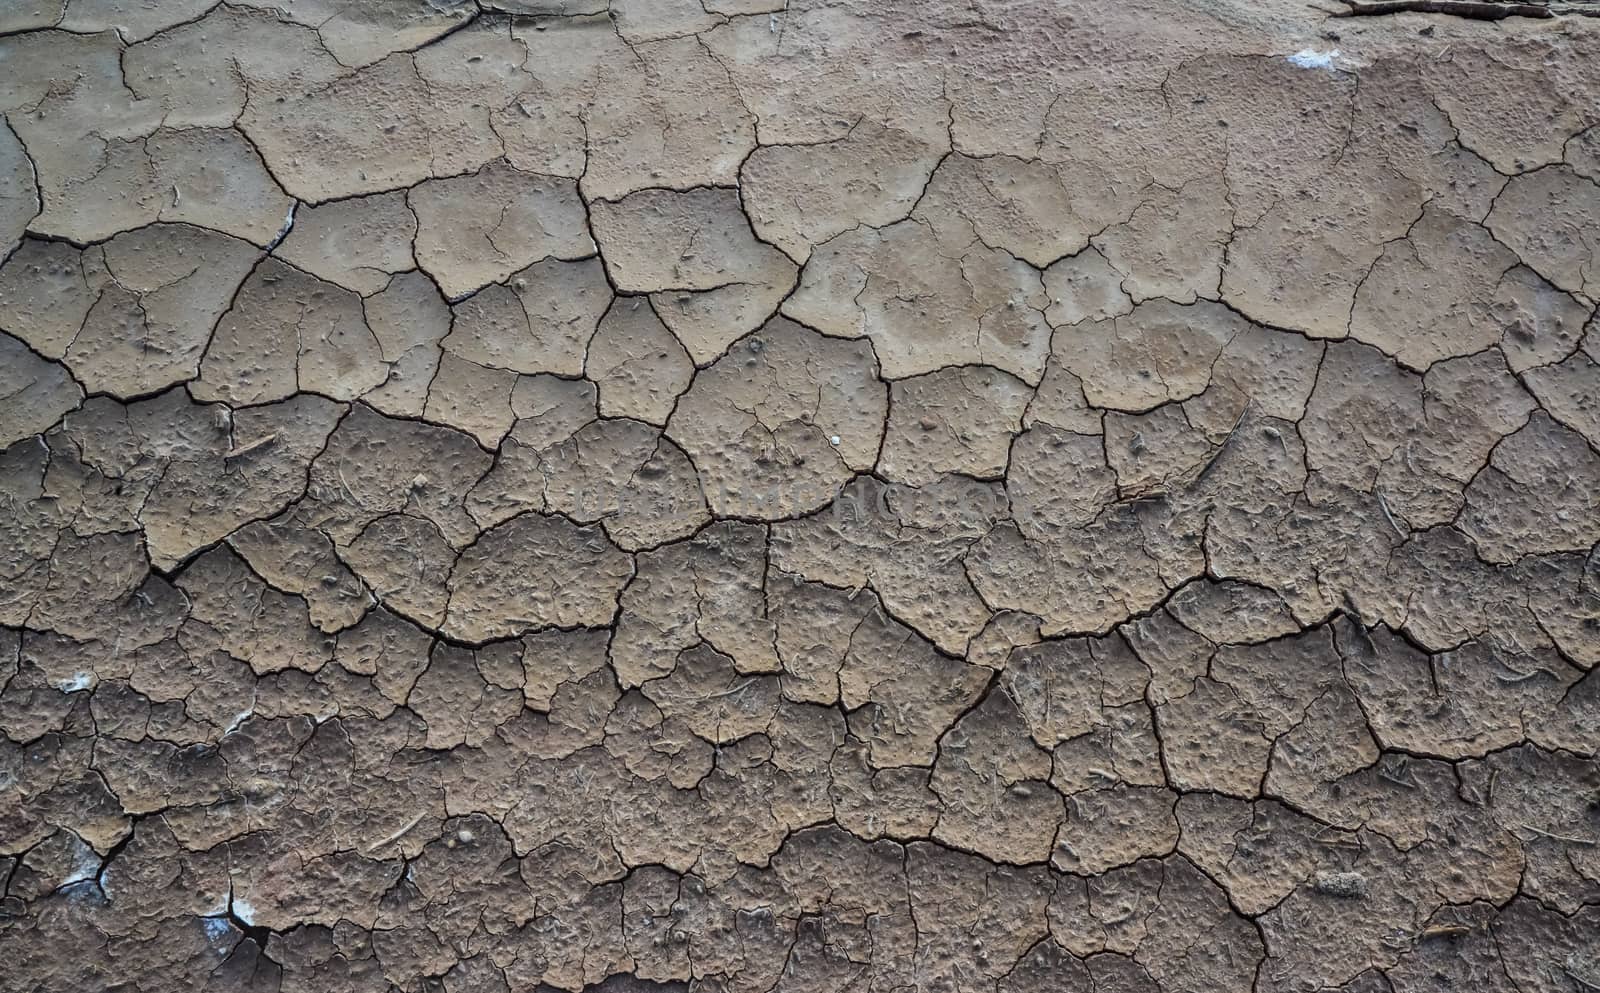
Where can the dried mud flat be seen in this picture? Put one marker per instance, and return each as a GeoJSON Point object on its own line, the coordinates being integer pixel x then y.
{"type": "Point", "coordinates": [720, 495]}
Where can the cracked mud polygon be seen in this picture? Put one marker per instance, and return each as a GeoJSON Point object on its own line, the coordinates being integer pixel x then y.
{"type": "Point", "coordinates": [738, 496]}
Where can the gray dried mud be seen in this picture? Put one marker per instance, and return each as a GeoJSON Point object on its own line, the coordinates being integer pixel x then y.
{"type": "Point", "coordinates": [747, 496]}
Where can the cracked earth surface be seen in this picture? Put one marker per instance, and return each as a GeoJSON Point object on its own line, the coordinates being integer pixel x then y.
{"type": "Point", "coordinates": [726, 495]}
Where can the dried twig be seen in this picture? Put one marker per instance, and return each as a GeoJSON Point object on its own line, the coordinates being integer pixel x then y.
{"type": "Point", "coordinates": [1518, 676]}
{"type": "Point", "coordinates": [1444, 931]}
{"type": "Point", "coordinates": [1217, 454]}
{"type": "Point", "coordinates": [1338, 842]}
{"type": "Point", "coordinates": [1383, 504]}
{"type": "Point", "coordinates": [1148, 493]}
{"type": "Point", "coordinates": [1477, 10]}
{"type": "Point", "coordinates": [397, 835]}
{"type": "Point", "coordinates": [732, 690]}
{"type": "Point", "coordinates": [1399, 778]}
{"type": "Point", "coordinates": [254, 446]}
{"type": "Point", "coordinates": [1569, 839]}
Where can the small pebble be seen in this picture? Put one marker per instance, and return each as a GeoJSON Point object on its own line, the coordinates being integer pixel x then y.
{"type": "Point", "coordinates": [834, 440]}
{"type": "Point", "coordinates": [928, 423]}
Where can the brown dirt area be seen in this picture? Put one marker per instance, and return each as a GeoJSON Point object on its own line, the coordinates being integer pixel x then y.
{"type": "Point", "coordinates": [799, 496]}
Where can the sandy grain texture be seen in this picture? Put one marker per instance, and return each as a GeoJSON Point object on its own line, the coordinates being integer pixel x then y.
{"type": "Point", "coordinates": [799, 496]}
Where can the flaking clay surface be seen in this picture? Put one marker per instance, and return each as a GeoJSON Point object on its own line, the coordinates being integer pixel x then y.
{"type": "Point", "coordinates": [799, 496]}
